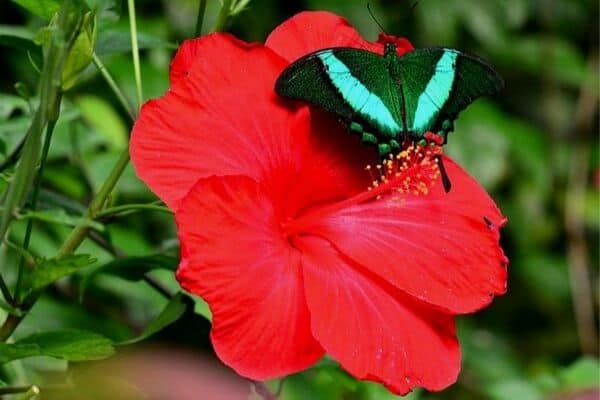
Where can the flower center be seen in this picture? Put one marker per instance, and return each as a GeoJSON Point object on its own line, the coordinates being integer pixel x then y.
{"type": "Point", "coordinates": [412, 172]}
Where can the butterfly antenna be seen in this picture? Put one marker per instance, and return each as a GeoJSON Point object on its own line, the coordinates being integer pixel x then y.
{"type": "Point", "coordinates": [375, 19]}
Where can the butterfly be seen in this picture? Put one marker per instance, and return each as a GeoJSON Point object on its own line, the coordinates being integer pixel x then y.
{"type": "Point", "coordinates": [388, 99]}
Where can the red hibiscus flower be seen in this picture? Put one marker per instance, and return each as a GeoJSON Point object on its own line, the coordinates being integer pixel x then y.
{"type": "Point", "coordinates": [286, 236]}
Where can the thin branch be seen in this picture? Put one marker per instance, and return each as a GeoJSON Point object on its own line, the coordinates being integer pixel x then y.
{"type": "Point", "coordinates": [200, 18]}
{"type": "Point", "coordinates": [577, 249]}
{"type": "Point", "coordinates": [223, 16]}
{"type": "Point", "coordinates": [135, 52]}
{"type": "Point", "coordinates": [113, 85]}
{"type": "Point", "coordinates": [34, 199]}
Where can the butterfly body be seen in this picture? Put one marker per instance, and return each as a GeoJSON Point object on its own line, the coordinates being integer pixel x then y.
{"type": "Point", "coordinates": [388, 99]}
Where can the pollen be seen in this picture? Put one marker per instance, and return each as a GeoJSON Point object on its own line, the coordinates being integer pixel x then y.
{"type": "Point", "coordinates": [413, 171]}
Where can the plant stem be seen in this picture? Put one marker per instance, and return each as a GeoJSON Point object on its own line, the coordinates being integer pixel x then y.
{"type": "Point", "coordinates": [8, 327]}
{"type": "Point", "coordinates": [113, 85]}
{"type": "Point", "coordinates": [34, 197]}
{"type": "Point", "coordinates": [223, 16]}
{"type": "Point", "coordinates": [200, 19]}
{"type": "Point", "coordinates": [135, 52]}
{"type": "Point", "coordinates": [5, 292]}
{"type": "Point", "coordinates": [577, 247]}
{"type": "Point", "coordinates": [67, 27]}
{"type": "Point", "coordinates": [19, 389]}
{"type": "Point", "coordinates": [78, 234]}
{"type": "Point", "coordinates": [72, 242]}
{"type": "Point", "coordinates": [108, 212]}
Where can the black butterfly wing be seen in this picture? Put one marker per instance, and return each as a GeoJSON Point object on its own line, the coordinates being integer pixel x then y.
{"type": "Point", "coordinates": [348, 82]}
{"type": "Point", "coordinates": [305, 79]}
{"type": "Point", "coordinates": [438, 83]}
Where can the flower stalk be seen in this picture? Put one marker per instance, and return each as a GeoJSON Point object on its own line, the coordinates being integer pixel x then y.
{"type": "Point", "coordinates": [69, 23]}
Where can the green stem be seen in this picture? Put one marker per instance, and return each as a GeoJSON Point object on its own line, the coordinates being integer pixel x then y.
{"type": "Point", "coordinates": [72, 242]}
{"type": "Point", "coordinates": [79, 233]}
{"type": "Point", "coordinates": [8, 327]}
{"type": "Point", "coordinates": [19, 389]}
{"type": "Point", "coordinates": [131, 207]}
{"type": "Point", "coordinates": [200, 19]}
{"type": "Point", "coordinates": [5, 292]}
{"type": "Point", "coordinates": [223, 16]}
{"type": "Point", "coordinates": [68, 25]}
{"type": "Point", "coordinates": [135, 51]}
{"type": "Point", "coordinates": [113, 85]}
{"type": "Point", "coordinates": [34, 197]}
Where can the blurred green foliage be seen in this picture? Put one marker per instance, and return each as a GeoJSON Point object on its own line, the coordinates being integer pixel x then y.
{"type": "Point", "coordinates": [534, 148]}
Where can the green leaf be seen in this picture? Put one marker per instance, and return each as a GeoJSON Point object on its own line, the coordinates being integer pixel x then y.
{"type": "Point", "coordinates": [10, 309]}
{"type": "Point", "coordinates": [59, 216]}
{"type": "Point", "coordinates": [171, 313]}
{"type": "Point", "coordinates": [50, 270]}
{"type": "Point", "coordinates": [112, 41]}
{"type": "Point", "coordinates": [20, 38]}
{"type": "Point", "coordinates": [201, 307]}
{"type": "Point", "coordinates": [104, 119]}
{"type": "Point", "coordinates": [134, 268]}
{"type": "Point", "coordinates": [70, 345]}
{"type": "Point", "coordinates": [14, 351]}
{"type": "Point", "coordinates": [42, 8]}
{"type": "Point", "coordinates": [10, 104]}
{"type": "Point", "coordinates": [81, 53]}
{"type": "Point", "coordinates": [515, 389]}
{"type": "Point", "coordinates": [545, 55]}
{"type": "Point", "coordinates": [106, 10]}
{"type": "Point", "coordinates": [583, 373]}
{"type": "Point", "coordinates": [131, 269]}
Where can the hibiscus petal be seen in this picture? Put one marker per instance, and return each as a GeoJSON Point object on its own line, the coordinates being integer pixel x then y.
{"type": "Point", "coordinates": [309, 31]}
{"type": "Point", "coordinates": [189, 52]}
{"type": "Point", "coordinates": [222, 119]}
{"type": "Point", "coordinates": [371, 328]}
{"type": "Point", "coordinates": [441, 248]}
{"type": "Point", "coordinates": [235, 257]}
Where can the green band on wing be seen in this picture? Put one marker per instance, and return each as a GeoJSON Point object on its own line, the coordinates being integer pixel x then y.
{"type": "Point", "coordinates": [436, 92]}
{"type": "Point", "coordinates": [363, 101]}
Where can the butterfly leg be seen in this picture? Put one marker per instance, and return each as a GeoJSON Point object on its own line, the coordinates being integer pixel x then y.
{"type": "Point", "coordinates": [368, 138]}
{"type": "Point", "coordinates": [447, 127]}
{"type": "Point", "coordinates": [384, 150]}
{"type": "Point", "coordinates": [445, 178]}
{"type": "Point", "coordinates": [355, 127]}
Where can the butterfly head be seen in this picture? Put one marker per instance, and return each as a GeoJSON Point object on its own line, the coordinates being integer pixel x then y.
{"type": "Point", "coordinates": [389, 49]}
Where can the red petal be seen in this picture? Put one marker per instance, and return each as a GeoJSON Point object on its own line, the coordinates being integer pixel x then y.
{"type": "Point", "coordinates": [309, 31]}
{"type": "Point", "coordinates": [223, 119]}
{"type": "Point", "coordinates": [372, 329]}
{"type": "Point", "coordinates": [402, 44]}
{"type": "Point", "coordinates": [436, 247]}
{"type": "Point", "coordinates": [235, 257]}
{"type": "Point", "coordinates": [187, 54]}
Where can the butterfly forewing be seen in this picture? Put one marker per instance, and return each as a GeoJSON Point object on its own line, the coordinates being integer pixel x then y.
{"type": "Point", "coordinates": [305, 80]}
{"type": "Point", "coordinates": [352, 83]}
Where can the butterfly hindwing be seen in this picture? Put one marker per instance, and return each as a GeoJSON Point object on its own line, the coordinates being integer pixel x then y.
{"type": "Point", "coordinates": [438, 83]}
{"type": "Point", "coordinates": [475, 78]}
